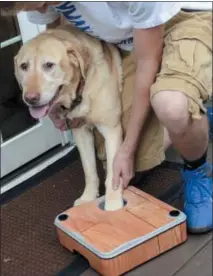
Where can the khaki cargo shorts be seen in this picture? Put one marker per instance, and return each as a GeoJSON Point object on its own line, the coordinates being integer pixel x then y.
{"type": "Point", "coordinates": [186, 67]}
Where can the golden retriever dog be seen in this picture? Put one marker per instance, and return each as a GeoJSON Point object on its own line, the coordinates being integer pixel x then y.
{"type": "Point", "coordinates": [67, 74]}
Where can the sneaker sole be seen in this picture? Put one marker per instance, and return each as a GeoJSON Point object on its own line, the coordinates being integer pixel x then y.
{"type": "Point", "coordinates": [203, 230]}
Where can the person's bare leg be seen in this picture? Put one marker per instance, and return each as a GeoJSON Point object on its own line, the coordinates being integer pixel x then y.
{"type": "Point", "coordinates": [194, 142]}
{"type": "Point", "coordinates": [190, 137]}
{"type": "Point", "coordinates": [166, 140]}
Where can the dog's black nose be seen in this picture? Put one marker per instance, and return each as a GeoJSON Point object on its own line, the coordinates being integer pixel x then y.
{"type": "Point", "coordinates": [31, 97]}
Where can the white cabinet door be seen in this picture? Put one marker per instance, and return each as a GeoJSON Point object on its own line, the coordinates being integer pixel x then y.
{"type": "Point", "coordinates": [22, 138]}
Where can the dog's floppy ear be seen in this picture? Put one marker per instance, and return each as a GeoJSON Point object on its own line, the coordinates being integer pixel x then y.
{"type": "Point", "coordinates": [16, 68]}
{"type": "Point", "coordinates": [16, 72]}
{"type": "Point", "coordinates": [79, 56]}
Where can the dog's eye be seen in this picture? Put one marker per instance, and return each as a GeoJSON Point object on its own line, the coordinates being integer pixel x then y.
{"type": "Point", "coordinates": [48, 65]}
{"type": "Point", "coordinates": [24, 66]}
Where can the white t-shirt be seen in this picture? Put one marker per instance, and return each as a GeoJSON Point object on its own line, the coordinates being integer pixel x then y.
{"type": "Point", "coordinates": [110, 21]}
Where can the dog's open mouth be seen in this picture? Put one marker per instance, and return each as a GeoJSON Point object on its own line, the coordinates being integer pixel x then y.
{"type": "Point", "coordinates": [38, 112]}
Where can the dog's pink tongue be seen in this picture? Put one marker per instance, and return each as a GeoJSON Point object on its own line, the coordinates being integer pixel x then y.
{"type": "Point", "coordinates": [38, 112]}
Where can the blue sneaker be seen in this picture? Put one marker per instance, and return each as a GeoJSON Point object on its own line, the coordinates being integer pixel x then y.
{"type": "Point", "coordinates": [198, 198]}
{"type": "Point", "coordinates": [210, 119]}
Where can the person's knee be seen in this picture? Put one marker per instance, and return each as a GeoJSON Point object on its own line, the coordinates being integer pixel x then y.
{"type": "Point", "coordinates": [171, 108]}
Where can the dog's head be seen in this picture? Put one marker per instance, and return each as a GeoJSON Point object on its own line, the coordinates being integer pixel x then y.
{"type": "Point", "coordinates": [49, 71]}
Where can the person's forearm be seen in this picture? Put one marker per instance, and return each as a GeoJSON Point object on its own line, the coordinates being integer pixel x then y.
{"type": "Point", "coordinates": [145, 77]}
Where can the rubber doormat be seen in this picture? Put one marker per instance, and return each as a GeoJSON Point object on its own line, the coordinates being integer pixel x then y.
{"type": "Point", "coordinates": [29, 243]}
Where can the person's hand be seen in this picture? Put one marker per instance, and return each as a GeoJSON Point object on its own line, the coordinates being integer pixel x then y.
{"type": "Point", "coordinates": [123, 169]}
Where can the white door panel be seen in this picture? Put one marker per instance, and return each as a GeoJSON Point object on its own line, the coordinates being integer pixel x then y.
{"type": "Point", "coordinates": [28, 145]}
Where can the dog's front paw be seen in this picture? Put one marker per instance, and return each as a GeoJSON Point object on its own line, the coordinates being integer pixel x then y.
{"type": "Point", "coordinates": [113, 204]}
{"type": "Point", "coordinates": [84, 199]}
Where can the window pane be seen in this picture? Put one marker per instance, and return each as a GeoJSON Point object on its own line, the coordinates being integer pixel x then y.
{"type": "Point", "coordinates": [14, 115]}
{"type": "Point", "coordinates": [9, 27]}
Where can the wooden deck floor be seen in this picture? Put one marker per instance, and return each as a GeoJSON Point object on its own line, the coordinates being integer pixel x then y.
{"type": "Point", "coordinates": [194, 258]}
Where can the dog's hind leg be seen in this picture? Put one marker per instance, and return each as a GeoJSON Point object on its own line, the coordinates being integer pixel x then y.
{"type": "Point", "coordinates": [113, 140]}
{"type": "Point", "coordinates": [84, 140]}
